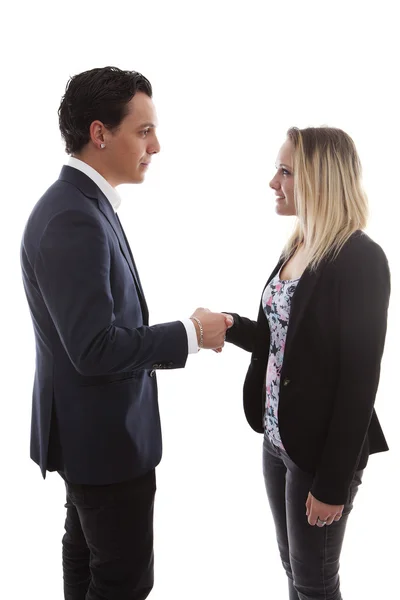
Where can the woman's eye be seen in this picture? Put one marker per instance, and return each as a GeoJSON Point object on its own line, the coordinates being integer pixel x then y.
{"type": "Point", "coordinates": [285, 172]}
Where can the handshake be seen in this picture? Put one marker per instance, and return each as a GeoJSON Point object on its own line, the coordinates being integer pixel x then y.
{"type": "Point", "coordinates": [211, 328]}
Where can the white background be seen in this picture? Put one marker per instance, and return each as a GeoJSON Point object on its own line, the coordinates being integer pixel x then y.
{"type": "Point", "coordinates": [229, 79]}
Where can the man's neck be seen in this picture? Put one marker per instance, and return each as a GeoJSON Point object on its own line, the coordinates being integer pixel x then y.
{"type": "Point", "coordinates": [97, 165]}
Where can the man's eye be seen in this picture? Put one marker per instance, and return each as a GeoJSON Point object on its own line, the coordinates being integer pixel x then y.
{"type": "Point", "coordinates": [145, 132]}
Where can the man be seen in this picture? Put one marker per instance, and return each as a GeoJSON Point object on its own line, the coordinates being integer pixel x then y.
{"type": "Point", "coordinates": [95, 415]}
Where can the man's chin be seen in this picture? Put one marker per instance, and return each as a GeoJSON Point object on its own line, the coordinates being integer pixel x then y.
{"type": "Point", "coordinates": [137, 178]}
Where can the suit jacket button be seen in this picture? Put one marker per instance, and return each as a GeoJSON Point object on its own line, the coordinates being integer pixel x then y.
{"type": "Point", "coordinates": [286, 381]}
{"type": "Point", "coordinates": [152, 373]}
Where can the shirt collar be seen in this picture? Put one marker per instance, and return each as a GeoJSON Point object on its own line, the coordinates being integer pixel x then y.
{"type": "Point", "coordinates": [110, 193]}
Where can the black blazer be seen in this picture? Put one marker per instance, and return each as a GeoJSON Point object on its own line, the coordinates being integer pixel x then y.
{"type": "Point", "coordinates": [331, 366]}
{"type": "Point", "coordinates": [95, 414]}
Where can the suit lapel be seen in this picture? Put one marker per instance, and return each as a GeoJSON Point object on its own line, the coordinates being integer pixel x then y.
{"type": "Point", "coordinates": [109, 213]}
{"type": "Point", "coordinates": [130, 255]}
{"type": "Point", "coordinates": [112, 218]}
{"type": "Point", "coordinates": [91, 190]}
{"type": "Point", "coordinates": [139, 283]}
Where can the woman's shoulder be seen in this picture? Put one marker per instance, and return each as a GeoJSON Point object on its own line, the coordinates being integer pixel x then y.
{"type": "Point", "coordinates": [360, 256]}
{"type": "Point", "coordinates": [360, 247]}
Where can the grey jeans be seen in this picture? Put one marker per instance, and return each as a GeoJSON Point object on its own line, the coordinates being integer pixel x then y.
{"type": "Point", "coordinates": [310, 554]}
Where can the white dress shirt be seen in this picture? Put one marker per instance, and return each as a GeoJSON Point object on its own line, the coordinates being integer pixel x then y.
{"type": "Point", "coordinates": [115, 200]}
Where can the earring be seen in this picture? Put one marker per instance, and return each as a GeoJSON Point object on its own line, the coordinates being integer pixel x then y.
{"type": "Point", "coordinates": [102, 146]}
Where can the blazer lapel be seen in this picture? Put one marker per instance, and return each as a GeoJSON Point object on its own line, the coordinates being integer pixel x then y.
{"type": "Point", "coordinates": [261, 348]}
{"type": "Point", "coordinates": [261, 314]}
{"type": "Point", "coordinates": [273, 274]}
{"type": "Point", "coordinates": [300, 300]}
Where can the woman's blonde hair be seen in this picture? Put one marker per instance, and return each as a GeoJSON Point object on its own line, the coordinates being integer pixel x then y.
{"type": "Point", "coordinates": [328, 194]}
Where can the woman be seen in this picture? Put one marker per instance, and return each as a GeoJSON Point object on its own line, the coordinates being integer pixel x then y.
{"type": "Point", "coordinates": [313, 377]}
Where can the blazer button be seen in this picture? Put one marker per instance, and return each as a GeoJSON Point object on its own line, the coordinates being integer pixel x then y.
{"type": "Point", "coordinates": [152, 373]}
{"type": "Point", "coordinates": [286, 382]}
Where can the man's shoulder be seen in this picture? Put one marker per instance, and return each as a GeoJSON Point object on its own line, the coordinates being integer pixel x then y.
{"type": "Point", "coordinates": [62, 196]}
{"type": "Point", "coordinates": [60, 200]}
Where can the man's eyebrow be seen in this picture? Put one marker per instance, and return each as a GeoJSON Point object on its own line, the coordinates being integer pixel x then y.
{"type": "Point", "coordinates": [147, 125]}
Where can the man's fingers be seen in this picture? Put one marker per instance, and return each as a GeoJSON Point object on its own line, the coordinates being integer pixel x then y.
{"type": "Point", "coordinates": [215, 326]}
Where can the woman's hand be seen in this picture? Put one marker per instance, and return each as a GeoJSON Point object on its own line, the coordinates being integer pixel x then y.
{"type": "Point", "coordinates": [321, 514]}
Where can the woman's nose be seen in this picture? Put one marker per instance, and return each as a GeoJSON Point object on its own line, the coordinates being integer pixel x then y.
{"type": "Point", "coordinates": [274, 184]}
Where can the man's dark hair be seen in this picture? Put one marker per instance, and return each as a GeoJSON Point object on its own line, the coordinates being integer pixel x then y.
{"type": "Point", "coordinates": [99, 94]}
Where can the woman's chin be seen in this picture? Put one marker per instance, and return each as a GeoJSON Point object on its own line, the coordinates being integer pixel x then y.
{"type": "Point", "coordinates": [284, 211]}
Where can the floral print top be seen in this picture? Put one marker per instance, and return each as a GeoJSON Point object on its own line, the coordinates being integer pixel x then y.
{"type": "Point", "coordinates": [276, 302]}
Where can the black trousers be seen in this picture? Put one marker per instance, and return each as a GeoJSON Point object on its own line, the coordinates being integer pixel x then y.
{"type": "Point", "coordinates": [310, 554]}
{"type": "Point", "coordinates": [108, 541]}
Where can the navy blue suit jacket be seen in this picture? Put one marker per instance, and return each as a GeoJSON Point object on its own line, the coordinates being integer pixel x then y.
{"type": "Point", "coordinates": [95, 415]}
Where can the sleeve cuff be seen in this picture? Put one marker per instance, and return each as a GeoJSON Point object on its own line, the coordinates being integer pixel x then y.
{"type": "Point", "coordinates": [193, 346]}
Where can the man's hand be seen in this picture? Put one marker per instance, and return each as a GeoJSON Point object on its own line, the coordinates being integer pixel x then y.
{"type": "Point", "coordinates": [214, 327]}
{"type": "Point", "coordinates": [218, 350]}
{"type": "Point", "coordinates": [321, 514]}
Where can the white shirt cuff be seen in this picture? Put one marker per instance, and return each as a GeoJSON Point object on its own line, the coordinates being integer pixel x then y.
{"type": "Point", "coordinates": [193, 345]}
